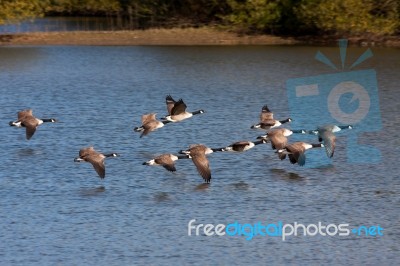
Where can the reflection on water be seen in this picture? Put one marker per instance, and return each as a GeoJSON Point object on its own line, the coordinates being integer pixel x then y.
{"type": "Point", "coordinates": [90, 192]}
{"type": "Point", "coordinates": [202, 187]}
{"type": "Point", "coordinates": [139, 214]}
{"type": "Point", "coordinates": [161, 197]}
{"type": "Point", "coordinates": [27, 152]}
{"type": "Point", "coordinates": [286, 175]}
{"type": "Point", "coordinates": [240, 186]}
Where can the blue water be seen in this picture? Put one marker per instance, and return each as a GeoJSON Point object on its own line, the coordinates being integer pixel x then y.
{"type": "Point", "coordinates": [57, 212]}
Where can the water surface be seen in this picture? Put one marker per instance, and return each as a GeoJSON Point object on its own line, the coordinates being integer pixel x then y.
{"type": "Point", "coordinates": [54, 211]}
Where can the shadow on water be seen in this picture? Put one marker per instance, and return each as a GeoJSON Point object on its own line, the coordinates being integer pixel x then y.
{"type": "Point", "coordinates": [285, 175]}
{"type": "Point", "coordinates": [27, 152]}
{"type": "Point", "coordinates": [161, 197]}
{"type": "Point", "coordinates": [239, 186]}
{"type": "Point", "coordinates": [90, 192]}
{"type": "Point", "coordinates": [385, 193]}
{"type": "Point", "coordinates": [202, 187]}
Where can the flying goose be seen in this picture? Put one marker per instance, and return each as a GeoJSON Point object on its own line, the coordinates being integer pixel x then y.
{"type": "Point", "coordinates": [198, 154]}
{"type": "Point", "coordinates": [267, 120]}
{"type": "Point", "coordinates": [326, 135]}
{"type": "Point", "coordinates": [27, 120]}
{"type": "Point", "coordinates": [166, 160]}
{"type": "Point", "coordinates": [207, 150]}
{"type": "Point", "coordinates": [296, 152]}
{"type": "Point", "coordinates": [241, 146]}
{"type": "Point", "coordinates": [149, 124]}
{"type": "Point", "coordinates": [177, 110]}
{"type": "Point", "coordinates": [277, 137]}
{"type": "Point", "coordinates": [95, 158]}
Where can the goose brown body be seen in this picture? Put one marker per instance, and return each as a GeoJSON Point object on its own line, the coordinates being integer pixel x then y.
{"type": "Point", "coordinates": [97, 159]}
{"type": "Point", "coordinates": [166, 160]}
{"type": "Point", "coordinates": [267, 120]}
{"type": "Point", "coordinates": [198, 154]}
{"type": "Point", "coordinates": [177, 110]}
{"type": "Point", "coordinates": [29, 121]}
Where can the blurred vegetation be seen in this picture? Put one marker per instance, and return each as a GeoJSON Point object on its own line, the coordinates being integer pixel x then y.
{"type": "Point", "coordinates": [15, 10]}
{"type": "Point", "coordinates": [293, 17]}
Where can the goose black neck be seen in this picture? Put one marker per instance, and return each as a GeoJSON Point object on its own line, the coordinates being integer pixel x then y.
{"type": "Point", "coordinates": [166, 122]}
{"type": "Point", "coordinates": [259, 142]}
{"type": "Point", "coordinates": [111, 155]}
{"type": "Point", "coordinates": [319, 145]}
{"type": "Point", "coordinates": [217, 149]}
{"type": "Point", "coordinates": [183, 157]}
{"type": "Point", "coordinates": [184, 152]}
{"type": "Point", "coordinates": [346, 127]}
{"type": "Point", "coordinates": [285, 121]}
{"type": "Point", "coordinates": [197, 112]}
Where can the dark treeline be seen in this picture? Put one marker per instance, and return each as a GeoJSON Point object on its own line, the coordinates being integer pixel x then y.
{"type": "Point", "coordinates": [353, 17]}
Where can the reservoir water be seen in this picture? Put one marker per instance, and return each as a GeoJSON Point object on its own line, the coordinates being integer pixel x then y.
{"type": "Point", "coordinates": [57, 212]}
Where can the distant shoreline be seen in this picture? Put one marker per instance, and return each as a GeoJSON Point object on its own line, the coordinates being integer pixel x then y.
{"type": "Point", "coordinates": [175, 36]}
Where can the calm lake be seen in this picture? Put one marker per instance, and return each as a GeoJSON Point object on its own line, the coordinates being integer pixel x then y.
{"type": "Point", "coordinates": [57, 212]}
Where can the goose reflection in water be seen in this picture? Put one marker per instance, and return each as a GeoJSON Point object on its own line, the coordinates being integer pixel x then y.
{"type": "Point", "coordinates": [88, 192]}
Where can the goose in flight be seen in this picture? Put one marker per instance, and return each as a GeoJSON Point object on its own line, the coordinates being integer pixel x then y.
{"type": "Point", "coordinates": [177, 110]}
{"type": "Point", "coordinates": [296, 152]}
{"type": "Point", "coordinates": [267, 120]}
{"type": "Point", "coordinates": [197, 153]}
{"type": "Point", "coordinates": [30, 122]}
{"type": "Point", "coordinates": [326, 135]}
{"type": "Point", "coordinates": [149, 124]}
{"type": "Point", "coordinates": [166, 160]}
{"type": "Point", "coordinates": [90, 155]}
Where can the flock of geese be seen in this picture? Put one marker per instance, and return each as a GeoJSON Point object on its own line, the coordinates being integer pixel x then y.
{"type": "Point", "coordinates": [276, 135]}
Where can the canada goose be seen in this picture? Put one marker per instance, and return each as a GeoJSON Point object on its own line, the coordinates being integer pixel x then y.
{"type": "Point", "coordinates": [241, 146]}
{"type": "Point", "coordinates": [27, 120]}
{"type": "Point", "coordinates": [149, 124]}
{"type": "Point", "coordinates": [95, 158]}
{"type": "Point", "coordinates": [326, 135]}
{"type": "Point", "coordinates": [207, 150]}
{"type": "Point", "coordinates": [277, 137]}
{"type": "Point", "coordinates": [296, 152]}
{"type": "Point", "coordinates": [177, 110]}
{"type": "Point", "coordinates": [166, 160]}
{"type": "Point", "coordinates": [267, 120]}
{"type": "Point", "coordinates": [198, 154]}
